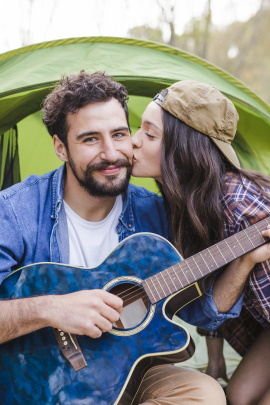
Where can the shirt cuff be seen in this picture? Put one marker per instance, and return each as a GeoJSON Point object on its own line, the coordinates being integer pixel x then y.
{"type": "Point", "coordinates": [211, 312]}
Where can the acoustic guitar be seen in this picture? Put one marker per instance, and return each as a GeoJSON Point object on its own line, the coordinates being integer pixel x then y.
{"type": "Point", "coordinates": [147, 272]}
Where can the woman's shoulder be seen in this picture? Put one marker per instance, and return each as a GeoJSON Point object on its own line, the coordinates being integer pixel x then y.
{"type": "Point", "coordinates": [243, 200]}
{"type": "Point", "coordinates": [239, 188]}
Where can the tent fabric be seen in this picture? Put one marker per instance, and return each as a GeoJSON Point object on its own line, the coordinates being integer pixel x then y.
{"type": "Point", "coordinates": [9, 168]}
{"type": "Point", "coordinates": [27, 74]}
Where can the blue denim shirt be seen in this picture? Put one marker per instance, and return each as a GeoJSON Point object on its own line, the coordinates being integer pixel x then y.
{"type": "Point", "coordinates": [34, 229]}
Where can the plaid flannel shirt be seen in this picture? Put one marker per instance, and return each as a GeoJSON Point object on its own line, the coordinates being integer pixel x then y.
{"type": "Point", "coordinates": [244, 205]}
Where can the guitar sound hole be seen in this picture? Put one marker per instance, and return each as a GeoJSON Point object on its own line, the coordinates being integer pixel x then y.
{"type": "Point", "coordinates": [136, 305]}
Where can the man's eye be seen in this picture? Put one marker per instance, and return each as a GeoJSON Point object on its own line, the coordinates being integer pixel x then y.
{"type": "Point", "coordinates": [90, 140]}
{"type": "Point", "coordinates": [118, 135]}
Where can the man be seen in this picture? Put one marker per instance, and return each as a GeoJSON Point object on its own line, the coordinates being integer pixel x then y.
{"type": "Point", "coordinates": [77, 215]}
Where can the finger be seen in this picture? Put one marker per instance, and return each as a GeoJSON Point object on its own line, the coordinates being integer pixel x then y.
{"type": "Point", "coordinates": [113, 301]}
{"type": "Point", "coordinates": [266, 232]}
{"type": "Point", "coordinates": [103, 324]}
{"type": "Point", "coordinates": [110, 314]}
{"type": "Point", "coordinates": [94, 332]}
{"type": "Point", "coordinates": [96, 326]}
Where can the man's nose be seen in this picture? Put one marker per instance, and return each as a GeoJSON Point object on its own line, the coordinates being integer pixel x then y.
{"type": "Point", "coordinates": [109, 151]}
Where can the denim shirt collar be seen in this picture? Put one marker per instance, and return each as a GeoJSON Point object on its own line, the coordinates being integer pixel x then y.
{"type": "Point", "coordinates": [127, 218]}
{"type": "Point", "coordinates": [57, 191]}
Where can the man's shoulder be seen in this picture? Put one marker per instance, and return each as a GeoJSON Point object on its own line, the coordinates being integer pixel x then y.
{"type": "Point", "coordinates": [142, 192]}
{"type": "Point", "coordinates": [30, 183]}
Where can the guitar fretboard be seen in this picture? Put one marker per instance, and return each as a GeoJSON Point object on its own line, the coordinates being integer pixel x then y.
{"type": "Point", "coordinates": [188, 271]}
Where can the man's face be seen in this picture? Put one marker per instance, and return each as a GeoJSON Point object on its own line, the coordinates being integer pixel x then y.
{"type": "Point", "coordinates": [99, 150]}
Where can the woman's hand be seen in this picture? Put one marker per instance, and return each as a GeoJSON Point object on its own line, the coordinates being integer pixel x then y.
{"type": "Point", "coordinates": [259, 254]}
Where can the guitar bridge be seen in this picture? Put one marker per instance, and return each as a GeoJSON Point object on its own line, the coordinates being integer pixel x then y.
{"type": "Point", "coordinates": [70, 349]}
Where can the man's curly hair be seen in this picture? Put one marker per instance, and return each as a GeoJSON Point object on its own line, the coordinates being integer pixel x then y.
{"type": "Point", "coordinates": [74, 92]}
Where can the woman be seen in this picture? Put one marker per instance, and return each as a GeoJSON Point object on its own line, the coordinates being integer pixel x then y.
{"type": "Point", "coordinates": [184, 143]}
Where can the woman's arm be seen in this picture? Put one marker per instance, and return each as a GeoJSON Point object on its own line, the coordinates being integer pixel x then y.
{"type": "Point", "coordinates": [223, 300]}
{"type": "Point", "coordinates": [230, 284]}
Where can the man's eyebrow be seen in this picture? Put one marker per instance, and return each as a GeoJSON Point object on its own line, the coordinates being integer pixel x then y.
{"type": "Point", "coordinates": [93, 133]}
{"type": "Point", "coordinates": [121, 129]}
{"type": "Point", "coordinates": [87, 133]}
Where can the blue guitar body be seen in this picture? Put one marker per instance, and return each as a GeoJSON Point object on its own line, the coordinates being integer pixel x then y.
{"type": "Point", "coordinates": [33, 370]}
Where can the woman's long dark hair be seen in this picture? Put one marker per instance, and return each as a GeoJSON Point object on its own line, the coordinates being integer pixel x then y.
{"type": "Point", "coordinates": [193, 172]}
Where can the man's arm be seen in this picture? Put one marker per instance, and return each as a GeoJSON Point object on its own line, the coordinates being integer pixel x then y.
{"type": "Point", "coordinates": [230, 284]}
{"type": "Point", "coordinates": [87, 312]}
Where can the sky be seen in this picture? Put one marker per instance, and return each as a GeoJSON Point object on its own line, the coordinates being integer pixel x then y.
{"type": "Point", "coordinates": [46, 20]}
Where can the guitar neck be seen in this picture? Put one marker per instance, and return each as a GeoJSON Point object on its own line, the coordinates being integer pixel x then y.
{"type": "Point", "coordinates": [188, 271]}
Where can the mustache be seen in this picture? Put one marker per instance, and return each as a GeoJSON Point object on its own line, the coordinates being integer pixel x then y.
{"type": "Point", "coordinates": [104, 165]}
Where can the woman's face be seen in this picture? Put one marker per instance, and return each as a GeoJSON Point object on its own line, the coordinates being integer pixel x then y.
{"type": "Point", "coordinates": [147, 144]}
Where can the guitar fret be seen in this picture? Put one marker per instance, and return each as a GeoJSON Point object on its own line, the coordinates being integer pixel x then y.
{"type": "Point", "coordinates": [246, 233]}
{"type": "Point", "coordinates": [149, 291]}
{"type": "Point", "coordinates": [183, 271]}
{"type": "Point", "coordinates": [221, 253]}
{"type": "Point", "coordinates": [179, 265]}
{"type": "Point", "coordinates": [171, 278]}
{"type": "Point", "coordinates": [204, 263]}
{"type": "Point", "coordinates": [259, 231]}
{"type": "Point", "coordinates": [153, 295]}
{"type": "Point", "coordinates": [235, 239]}
{"type": "Point", "coordinates": [157, 278]}
{"type": "Point", "coordinates": [230, 248]}
{"type": "Point", "coordinates": [217, 256]}
{"type": "Point", "coordinates": [160, 296]}
{"type": "Point", "coordinates": [170, 292]}
{"type": "Point", "coordinates": [213, 257]}
{"type": "Point", "coordinates": [187, 263]}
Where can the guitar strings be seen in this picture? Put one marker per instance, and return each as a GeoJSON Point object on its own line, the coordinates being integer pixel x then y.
{"type": "Point", "coordinates": [137, 292]}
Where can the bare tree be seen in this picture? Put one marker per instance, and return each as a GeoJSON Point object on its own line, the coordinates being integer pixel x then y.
{"type": "Point", "coordinates": [28, 10]}
{"type": "Point", "coordinates": [206, 30]}
{"type": "Point", "coordinates": [167, 8]}
{"type": "Point", "coordinates": [25, 29]}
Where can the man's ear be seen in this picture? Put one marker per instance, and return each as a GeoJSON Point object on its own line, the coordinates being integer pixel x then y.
{"type": "Point", "coordinates": [60, 149]}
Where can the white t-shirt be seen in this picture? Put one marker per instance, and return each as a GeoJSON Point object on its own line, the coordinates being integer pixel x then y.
{"type": "Point", "coordinates": [91, 242]}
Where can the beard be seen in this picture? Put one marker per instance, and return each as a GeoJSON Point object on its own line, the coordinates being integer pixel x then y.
{"type": "Point", "coordinates": [110, 187]}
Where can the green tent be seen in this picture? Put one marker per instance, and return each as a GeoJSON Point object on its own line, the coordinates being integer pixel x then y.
{"type": "Point", "coordinates": [28, 74]}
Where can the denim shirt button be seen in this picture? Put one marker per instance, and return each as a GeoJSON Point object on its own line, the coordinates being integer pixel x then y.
{"type": "Point", "coordinates": [129, 225]}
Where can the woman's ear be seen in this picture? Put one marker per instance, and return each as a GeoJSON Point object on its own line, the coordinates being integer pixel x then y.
{"type": "Point", "coordinates": [60, 149]}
